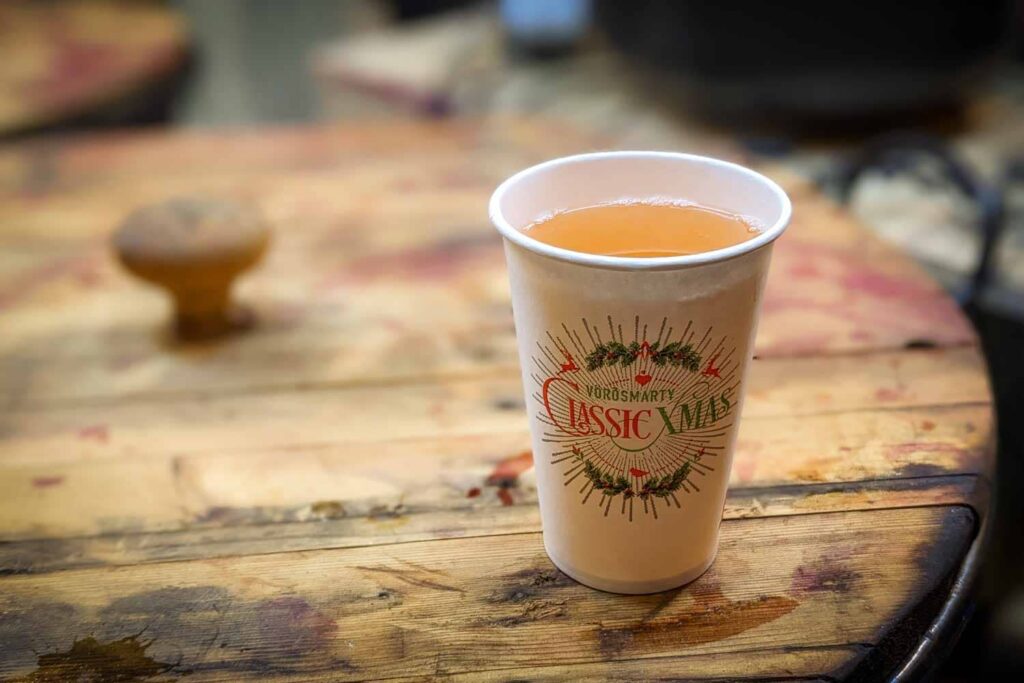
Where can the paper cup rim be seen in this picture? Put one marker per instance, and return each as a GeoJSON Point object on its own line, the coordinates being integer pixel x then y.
{"type": "Point", "coordinates": [522, 239]}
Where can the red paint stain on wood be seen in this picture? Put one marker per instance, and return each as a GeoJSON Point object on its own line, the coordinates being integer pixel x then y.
{"type": "Point", "coordinates": [859, 300]}
{"type": "Point", "coordinates": [505, 475]}
{"type": "Point", "coordinates": [887, 394]}
{"type": "Point", "coordinates": [506, 472]}
{"type": "Point", "coordinates": [903, 449]}
{"type": "Point", "coordinates": [88, 277]}
{"type": "Point", "coordinates": [473, 492]}
{"type": "Point", "coordinates": [881, 285]}
{"type": "Point", "coordinates": [300, 627]}
{"type": "Point", "coordinates": [505, 496]}
{"type": "Point", "coordinates": [804, 269]}
{"type": "Point", "coordinates": [745, 463]}
{"type": "Point", "coordinates": [745, 469]}
{"type": "Point", "coordinates": [927, 425]}
{"type": "Point", "coordinates": [100, 433]}
{"type": "Point", "coordinates": [47, 482]}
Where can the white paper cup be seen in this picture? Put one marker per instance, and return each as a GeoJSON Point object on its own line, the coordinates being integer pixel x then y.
{"type": "Point", "coordinates": [634, 368]}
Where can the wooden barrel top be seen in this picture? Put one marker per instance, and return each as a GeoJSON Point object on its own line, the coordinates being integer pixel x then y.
{"type": "Point", "coordinates": [345, 492]}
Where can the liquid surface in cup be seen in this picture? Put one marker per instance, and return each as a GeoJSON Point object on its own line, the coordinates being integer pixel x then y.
{"type": "Point", "coordinates": [642, 229]}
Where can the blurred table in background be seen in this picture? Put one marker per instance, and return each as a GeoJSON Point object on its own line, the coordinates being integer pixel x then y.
{"type": "Point", "coordinates": [70, 61]}
{"type": "Point", "coordinates": [346, 490]}
{"type": "Point", "coordinates": [458, 65]}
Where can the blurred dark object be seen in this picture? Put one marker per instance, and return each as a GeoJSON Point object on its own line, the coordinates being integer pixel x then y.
{"type": "Point", "coordinates": [799, 62]}
{"type": "Point", "coordinates": [900, 152]}
{"type": "Point", "coordinates": [539, 28]}
{"type": "Point", "coordinates": [406, 10]}
{"type": "Point", "coordinates": [88, 63]}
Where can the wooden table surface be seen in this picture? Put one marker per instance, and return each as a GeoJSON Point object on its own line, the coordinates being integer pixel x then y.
{"type": "Point", "coordinates": [345, 492]}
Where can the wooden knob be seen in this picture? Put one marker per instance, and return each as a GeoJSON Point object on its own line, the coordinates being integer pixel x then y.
{"type": "Point", "coordinates": [194, 248]}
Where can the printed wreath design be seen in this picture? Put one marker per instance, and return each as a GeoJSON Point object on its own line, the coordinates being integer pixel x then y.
{"type": "Point", "coordinates": [674, 353]}
{"type": "Point", "coordinates": [613, 485]}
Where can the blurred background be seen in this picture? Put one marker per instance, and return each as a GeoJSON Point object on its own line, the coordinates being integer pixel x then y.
{"type": "Point", "coordinates": [911, 113]}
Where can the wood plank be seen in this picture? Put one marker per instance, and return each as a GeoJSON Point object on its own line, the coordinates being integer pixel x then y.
{"type": "Point", "coordinates": [465, 605]}
{"type": "Point", "coordinates": [228, 532]}
{"type": "Point", "coordinates": [371, 414]}
{"type": "Point", "coordinates": [434, 480]}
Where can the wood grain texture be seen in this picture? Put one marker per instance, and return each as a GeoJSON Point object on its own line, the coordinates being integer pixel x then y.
{"type": "Point", "coordinates": [403, 258]}
{"type": "Point", "coordinates": [191, 423]}
{"type": "Point", "coordinates": [346, 491]}
{"type": "Point", "coordinates": [434, 482]}
{"type": "Point", "coordinates": [469, 605]}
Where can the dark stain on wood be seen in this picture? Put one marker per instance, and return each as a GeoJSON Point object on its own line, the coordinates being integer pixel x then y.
{"type": "Point", "coordinates": [660, 601]}
{"type": "Point", "coordinates": [47, 482]}
{"type": "Point", "coordinates": [509, 403]}
{"type": "Point", "coordinates": [473, 492]}
{"type": "Point", "coordinates": [921, 469]}
{"type": "Point", "coordinates": [709, 617]}
{"type": "Point", "coordinates": [38, 556]}
{"type": "Point", "coordinates": [529, 611]}
{"type": "Point", "coordinates": [480, 352]}
{"type": "Point", "coordinates": [415, 576]}
{"type": "Point", "coordinates": [937, 561]}
{"type": "Point", "coordinates": [826, 575]}
{"type": "Point", "coordinates": [216, 514]}
{"type": "Point", "coordinates": [382, 512]}
{"type": "Point", "coordinates": [541, 577]}
{"type": "Point", "coordinates": [328, 509]}
{"type": "Point", "coordinates": [180, 630]}
{"type": "Point", "coordinates": [91, 660]}
{"type": "Point", "coordinates": [30, 627]}
{"type": "Point", "coordinates": [529, 584]}
{"type": "Point", "coordinates": [527, 596]}
{"type": "Point", "coordinates": [934, 558]}
{"type": "Point", "coordinates": [920, 344]}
